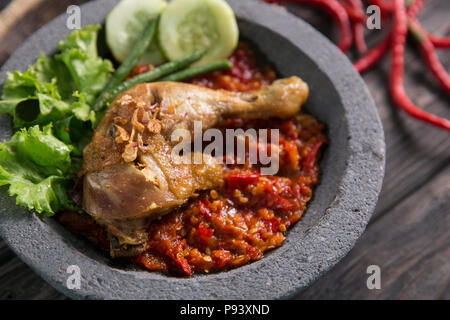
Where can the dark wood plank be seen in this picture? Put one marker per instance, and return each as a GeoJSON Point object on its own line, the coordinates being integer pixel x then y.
{"type": "Point", "coordinates": [411, 245]}
{"type": "Point", "coordinates": [18, 281]}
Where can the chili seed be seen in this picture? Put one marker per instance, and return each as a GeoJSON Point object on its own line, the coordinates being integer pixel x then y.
{"type": "Point", "coordinates": [214, 194]}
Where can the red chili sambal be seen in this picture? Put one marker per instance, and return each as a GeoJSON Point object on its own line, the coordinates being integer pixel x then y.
{"type": "Point", "coordinates": [230, 227]}
{"type": "Point", "coordinates": [245, 75]}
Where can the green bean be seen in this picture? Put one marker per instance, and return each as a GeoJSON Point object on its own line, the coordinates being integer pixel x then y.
{"type": "Point", "coordinates": [196, 71]}
{"type": "Point", "coordinates": [153, 75]}
{"type": "Point", "coordinates": [124, 69]}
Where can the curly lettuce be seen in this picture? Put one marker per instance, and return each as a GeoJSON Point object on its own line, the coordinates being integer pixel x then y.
{"type": "Point", "coordinates": [79, 54]}
{"type": "Point", "coordinates": [51, 108]}
{"type": "Point", "coordinates": [35, 165]}
{"type": "Point", "coordinates": [58, 87]}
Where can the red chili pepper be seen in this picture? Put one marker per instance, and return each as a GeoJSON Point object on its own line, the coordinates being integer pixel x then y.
{"type": "Point", "coordinates": [429, 54]}
{"type": "Point", "coordinates": [384, 6]}
{"type": "Point", "coordinates": [353, 14]}
{"type": "Point", "coordinates": [373, 56]}
{"type": "Point", "coordinates": [358, 27]}
{"type": "Point", "coordinates": [396, 41]}
{"type": "Point", "coordinates": [358, 31]}
{"type": "Point", "coordinates": [439, 42]}
{"type": "Point", "coordinates": [414, 7]}
{"type": "Point", "coordinates": [397, 88]}
{"type": "Point", "coordinates": [337, 11]}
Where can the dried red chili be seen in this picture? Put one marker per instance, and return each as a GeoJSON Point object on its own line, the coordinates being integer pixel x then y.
{"type": "Point", "coordinates": [373, 56]}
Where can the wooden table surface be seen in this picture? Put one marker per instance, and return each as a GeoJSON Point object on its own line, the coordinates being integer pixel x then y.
{"type": "Point", "coordinates": [409, 234]}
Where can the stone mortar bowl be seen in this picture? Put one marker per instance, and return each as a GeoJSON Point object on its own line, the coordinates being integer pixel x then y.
{"type": "Point", "coordinates": [352, 169]}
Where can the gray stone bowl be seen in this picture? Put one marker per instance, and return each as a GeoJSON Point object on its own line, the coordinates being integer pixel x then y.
{"type": "Point", "coordinates": [352, 171]}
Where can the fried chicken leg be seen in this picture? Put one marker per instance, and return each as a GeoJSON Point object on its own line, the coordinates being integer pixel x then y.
{"type": "Point", "coordinates": [129, 175]}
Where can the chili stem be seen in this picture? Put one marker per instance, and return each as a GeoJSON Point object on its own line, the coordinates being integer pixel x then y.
{"type": "Point", "coordinates": [373, 56]}
{"type": "Point", "coordinates": [396, 87]}
{"type": "Point", "coordinates": [429, 53]}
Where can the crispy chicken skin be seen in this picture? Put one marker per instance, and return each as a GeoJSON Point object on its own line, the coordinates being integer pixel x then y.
{"type": "Point", "coordinates": [129, 175]}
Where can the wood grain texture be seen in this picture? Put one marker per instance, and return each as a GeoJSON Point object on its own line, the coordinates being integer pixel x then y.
{"type": "Point", "coordinates": [411, 245]}
{"type": "Point", "coordinates": [408, 236]}
{"type": "Point", "coordinates": [14, 12]}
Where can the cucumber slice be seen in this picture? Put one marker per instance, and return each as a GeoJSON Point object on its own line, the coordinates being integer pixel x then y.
{"type": "Point", "coordinates": [187, 26]}
{"type": "Point", "coordinates": [126, 22]}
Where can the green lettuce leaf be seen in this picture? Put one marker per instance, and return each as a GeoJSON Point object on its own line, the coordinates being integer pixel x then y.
{"type": "Point", "coordinates": [51, 107]}
{"type": "Point", "coordinates": [73, 132]}
{"type": "Point", "coordinates": [20, 85]}
{"type": "Point", "coordinates": [42, 111]}
{"type": "Point", "coordinates": [35, 165]}
{"type": "Point", "coordinates": [56, 88]}
{"type": "Point", "coordinates": [84, 40]}
{"type": "Point", "coordinates": [21, 91]}
{"type": "Point", "coordinates": [50, 69]}
{"type": "Point", "coordinates": [79, 53]}
{"type": "Point", "coordinates": [81, 109]}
